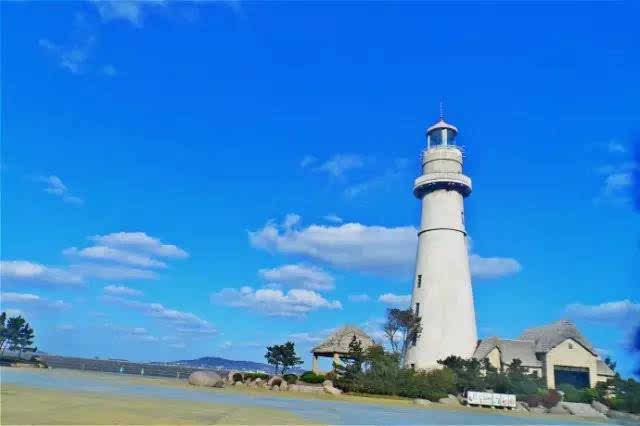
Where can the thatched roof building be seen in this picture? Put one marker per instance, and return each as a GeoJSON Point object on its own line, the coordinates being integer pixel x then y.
{"type": "Point", "coordinates": [338, 344]}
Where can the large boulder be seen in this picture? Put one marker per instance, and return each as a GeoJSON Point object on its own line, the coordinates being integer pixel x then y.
{"type": "Point", "coordinates": [581, 409]}
{"type": "Point", "coordinates": [275, 380]}
{"type": "Point", "coordinates": [558, 409]}
{"type": "Point", "coordinates": [284, 386]}
{"type": "Point", "coordinates": [600, 407]}
{"type": "Point", "coordinates": [327, 386]}
{"type": "Point", "coordinates": [449, 400]}
{"type": "Point", "coordinates": [229, 377]}
{"type": "Point", "coordinates": [420, 401]}
{"type": "Point", "coordinates": [538, 410]}
{"type": "Point", "coordinates": [258, 382]}
{"type": "Point", "coordinates": [206, 378]}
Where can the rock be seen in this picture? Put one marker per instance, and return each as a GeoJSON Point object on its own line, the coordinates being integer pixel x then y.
{"type": "Point", "coordinates": [558, 409]}
{"type": "Point", "coordinates": [449, 400]}
{"type": "Point", "coordinates": [252, 385]}
{"type": "Point", "coordinates": [538, 410]}
{"type": "Point", "coordinates": [521, 406]}
{"type": "Point", "coordinates": [230, 376]}
{"type": "Point", "coordinates": [293, 388]}
{"type": "Point", "coordinates": [274, 379]}
{"type": "Point", "coordinates": [238, 384]}
{"type": "Point", "coordinates": [275, 388]}
{"type": "Point", "coordinates": [600, 407]}
{"type": "Point", "coordinates": [327, 383]}
{"type": "Point", "coordinates": [283, 386]}
{"type": "Point", "coordinates": [331, 390]}
{"type": "Point", "coordinates": [420, 401]}
{"type": "Point", "coordinates": [582, 410]}
{"type": "Point", "coordinates": [623, 417]}
{"type": "Point", "coordinates": [206, 378]}
{"type": "Point", "coordinates": [258, 382]}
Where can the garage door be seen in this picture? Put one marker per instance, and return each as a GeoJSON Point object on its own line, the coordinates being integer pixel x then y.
{"type": "Point", "coordinates": [576, 376]}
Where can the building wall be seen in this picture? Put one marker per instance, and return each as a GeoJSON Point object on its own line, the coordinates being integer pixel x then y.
{"type": "Point", "coordinates": [494, 358]}
{"type": "Point", "coordinates": [563, 355]}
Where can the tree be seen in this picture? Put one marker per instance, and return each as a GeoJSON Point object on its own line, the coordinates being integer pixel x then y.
{"type": "Point", "coordinates": [16, 335]}
{"type": "Point", "coordinates": [282, 355]}
{"type": "Point", "coordinates": [3, 330]}
{"type": "Point", "coordinates": [351, 364]}
{"type": "Point", "coordinates": [404, 325]}
{"type": "Point", "coordinates": [611, 363]}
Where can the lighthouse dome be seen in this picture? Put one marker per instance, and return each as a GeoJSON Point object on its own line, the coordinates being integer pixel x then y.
{"type": "Point", "coordinates": [441, 133]}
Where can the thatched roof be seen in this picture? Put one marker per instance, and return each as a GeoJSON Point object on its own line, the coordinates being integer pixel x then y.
{"type": "Point", "coordinates": [509, 350]}
{"type": "Point", "coordinates": [551, 335]}
{"type": "Point", "coordinates": [339, 341]}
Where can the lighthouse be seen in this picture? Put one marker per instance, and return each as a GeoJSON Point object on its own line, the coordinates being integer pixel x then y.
{"type": "Point", "coordinates": [442, 294]}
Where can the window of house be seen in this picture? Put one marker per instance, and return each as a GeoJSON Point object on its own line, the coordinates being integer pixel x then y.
{"type": "Point", "coordinates": [419, 281]}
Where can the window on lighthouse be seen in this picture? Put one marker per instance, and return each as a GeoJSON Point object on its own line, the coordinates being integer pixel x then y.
{"type": "Point", "coordinates": [419, 283]}
{"type": "Point", "coordinates": [417, 309]}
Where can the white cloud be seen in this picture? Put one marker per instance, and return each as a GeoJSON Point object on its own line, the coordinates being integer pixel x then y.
{"type": "Point", "coordinates": [622, 312]}
{"type": "Point", "coordinates": [341, 163]}
{"type": "Point", "coordinates": [333, 218]}
{"type": "Point", "coordinates": [71, 58]}
{"type": "Point", "coordinates": [310, 277]}
{"type": "Point", "coordinates": [112, 272]}
{"type": "Point", "coordinates": [307, 161]}
{"type": "Point", "coordinates": [120, 290]}
{"type": "Point", "coordinates": [396, 300]}
{"type": "Point", "coordinates": [616, 187]}
{"type": "Point", "coordinates": [11, 312]}
{"type": "Point", "coordinates": [359, 298]}
{"type": "Point", "coordinates": [56, 187]}
{"type": "Point", "coordinates": [104, 253]}
{"type": "Point", "coordinates": [304, 337]}
{"type": "Point", "coordinates": [25, 271]}
{"type": "Point", "coordinates": [370, 249]}
{"type": "Point", "coordinates": [291, 220]}
{"type": "Point", "coordinates": [32, 300]}
{"type": "Point", "coordinates": [296, 302]}
{"type": "Point", "coordinates": [140, 242]}
{"type": "Point", "coordinates": [493, 267]}
{"type": "Point", "coordinates": [183, 322]}
{"type": "Point", "coordinates": [131, 11]}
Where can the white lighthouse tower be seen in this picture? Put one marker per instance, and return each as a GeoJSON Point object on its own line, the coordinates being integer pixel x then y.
{"type": "Point", "coordinates": [442, 293]}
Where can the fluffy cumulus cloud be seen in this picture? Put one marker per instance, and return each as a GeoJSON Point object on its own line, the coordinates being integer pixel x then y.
{"type": "Point", "coordinates": [13, 271]}
{"type": "Point", "coordinates": [301, 276]}
{"type": "Point", "coordinates": [371, 249]}
{"type": "Point", "coordinates": [493, 267]}
{"type": "Point", "coordinates": [32, 301]}
{"type": "Point", "coordinates": [120, 290]}
{"type": "Point", "coordinates": [115, 255]}
{"type": "Point", "coordinates": [621, 312]}
{"type": "Point", "coordinates": [112, 272]}
{"type": "Point", "coordinates": [333, 218]}
{"type": "Point", "coordinates": [395, 300]}
{"type": "Point", "coordinates": [295, 302]}
{"type": "Point", "coordinates": [182, 322]}
{"type": "Point", "coordinates": [141, 243]}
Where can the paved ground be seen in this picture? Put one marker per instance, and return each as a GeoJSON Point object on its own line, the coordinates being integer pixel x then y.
{"type": "Point", "coordinates": [340, 410]}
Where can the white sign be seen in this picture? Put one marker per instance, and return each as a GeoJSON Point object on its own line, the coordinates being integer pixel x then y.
{"type": "Point", "coordinates": [491, 399]}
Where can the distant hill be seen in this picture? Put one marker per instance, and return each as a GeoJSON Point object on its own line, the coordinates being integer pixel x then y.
{"type": "Point", "coordinates": [227, 364]}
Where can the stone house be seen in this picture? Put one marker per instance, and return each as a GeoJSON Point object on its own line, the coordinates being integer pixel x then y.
{"type": "Point", "coordinates": [557, 352]}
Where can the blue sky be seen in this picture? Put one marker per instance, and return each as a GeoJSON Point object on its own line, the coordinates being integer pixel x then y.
{"type": "Point", "coordinates": [190, 179]}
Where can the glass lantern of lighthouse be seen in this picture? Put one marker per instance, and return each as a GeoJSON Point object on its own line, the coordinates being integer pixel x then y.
{"type": "Point", "coordinates": [441, 135]}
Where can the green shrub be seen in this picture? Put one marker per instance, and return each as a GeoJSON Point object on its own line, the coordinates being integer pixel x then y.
{"type": "Point", "coordinates": [571, 394]}
{"type": "Point", "coordinates": [237, 377]}
{"type": "Point", "coordinates": [290, 378]}
{"type": "Point", "coordinates": [331, 376]}
{"type": "Point", "coordinates": [311, 377]}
